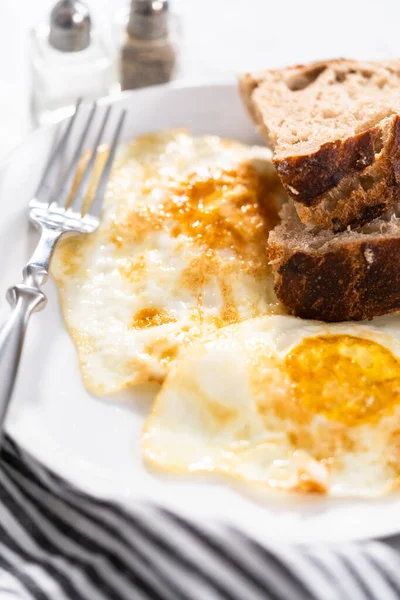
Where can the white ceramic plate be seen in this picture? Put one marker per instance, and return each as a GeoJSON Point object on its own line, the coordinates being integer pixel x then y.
{"type": "Point", "coordinates": [95, 443]}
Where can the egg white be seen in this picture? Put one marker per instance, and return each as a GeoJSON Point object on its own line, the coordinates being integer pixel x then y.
{"type": "Point", "coordinates": [212, 415]}
{"type": "Point", "coordinates": [107, 278]}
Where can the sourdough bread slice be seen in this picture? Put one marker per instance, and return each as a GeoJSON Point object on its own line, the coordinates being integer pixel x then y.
{"type": "Point", "coordinates": [334, 129]}
{"type": "Point", "coordinates": [352, 275]}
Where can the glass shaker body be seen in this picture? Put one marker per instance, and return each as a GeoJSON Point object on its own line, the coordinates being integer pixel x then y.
{"type": "Point", "coordinates": [60, 78]}
{"type": "Point", "coordinates": [143, 62]}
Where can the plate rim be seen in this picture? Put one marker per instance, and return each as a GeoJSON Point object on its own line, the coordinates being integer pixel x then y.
{"type": "Point", "coordinates": [52, 462]}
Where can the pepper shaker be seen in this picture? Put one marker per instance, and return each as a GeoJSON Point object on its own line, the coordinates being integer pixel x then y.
{"type": "Point", "coordinates": [148, 54]}
{"type": "Point", "coordinates": [70, 60]}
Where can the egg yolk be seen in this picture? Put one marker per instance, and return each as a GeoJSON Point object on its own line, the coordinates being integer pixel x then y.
{"type": "Point", "coordinates": [347, 379]}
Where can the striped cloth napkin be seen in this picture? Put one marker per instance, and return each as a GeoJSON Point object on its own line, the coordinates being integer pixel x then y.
{"type": "Point", "coordinates": [57, 543]}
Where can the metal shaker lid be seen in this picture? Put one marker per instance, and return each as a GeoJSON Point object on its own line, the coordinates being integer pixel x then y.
{"type": "Point", "coordinates": [148, 19]}
{"type": "Point", "coordinates": [70, 26]}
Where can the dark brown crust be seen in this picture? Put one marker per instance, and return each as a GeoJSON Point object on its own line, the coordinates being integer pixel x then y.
{"type": "Point", "coordinates": [363, 205]}
{"type": "Point", "coordinates": [356, 281]}
{"type": "Point", "coordinates": [394, 156]}
{"type": "Point", "coordinates": [315, 174]}
{"type": "Point", "coordinates": [309, 179]}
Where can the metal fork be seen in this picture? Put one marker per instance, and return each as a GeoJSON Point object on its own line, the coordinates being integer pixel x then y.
{"type": "Point", "coordinates": [54, 213]}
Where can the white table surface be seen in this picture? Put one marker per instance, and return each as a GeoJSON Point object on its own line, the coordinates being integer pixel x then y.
{"type": "Point", "coordinates": [220, 37]}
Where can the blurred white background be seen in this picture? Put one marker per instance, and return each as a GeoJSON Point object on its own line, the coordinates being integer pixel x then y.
{"type": "Point", "coordinates": [220, 37]}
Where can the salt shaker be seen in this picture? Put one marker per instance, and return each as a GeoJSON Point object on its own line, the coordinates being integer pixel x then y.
{"type": "Point", "coordinates": [70, 60]}
{"type": "Point", "coordinates": [148, 54]}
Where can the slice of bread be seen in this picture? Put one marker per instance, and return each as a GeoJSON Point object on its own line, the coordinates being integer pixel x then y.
{"type": "Point", "coordinates": [334, 128]}
{"type": "Point", "coordinates": [352, 275]}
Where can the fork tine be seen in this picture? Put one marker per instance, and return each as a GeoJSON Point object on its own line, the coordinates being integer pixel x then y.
{"type": "Point", "coordinates": [62, 194]}
{"type": "Point", "coordinates": [55, 160]}
{"type": "Point", "coordinates": [77, 201]}
{"type": "Point", "coordinates": [95, 208]}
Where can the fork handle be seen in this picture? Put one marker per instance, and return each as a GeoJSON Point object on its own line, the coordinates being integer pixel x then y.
{"type": "Point", "coordinates": [24, 298]}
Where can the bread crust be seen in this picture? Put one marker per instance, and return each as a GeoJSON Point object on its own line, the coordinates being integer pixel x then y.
{"type": "Point", "coordinates": [315, 175]}
{"type": "Point", "coordinates": [357, 280]}
{"type": "Point", "coordinates": [343, 165]}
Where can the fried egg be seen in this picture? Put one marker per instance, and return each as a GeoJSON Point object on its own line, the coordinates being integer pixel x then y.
{"type": "Point", "coordinates": [285, 404]}
{"type": "Point", "coordinates": [180, 252]}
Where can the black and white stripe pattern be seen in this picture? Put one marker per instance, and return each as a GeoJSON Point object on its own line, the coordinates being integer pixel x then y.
{"type": "Point", "coordinates": [57, 543]}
